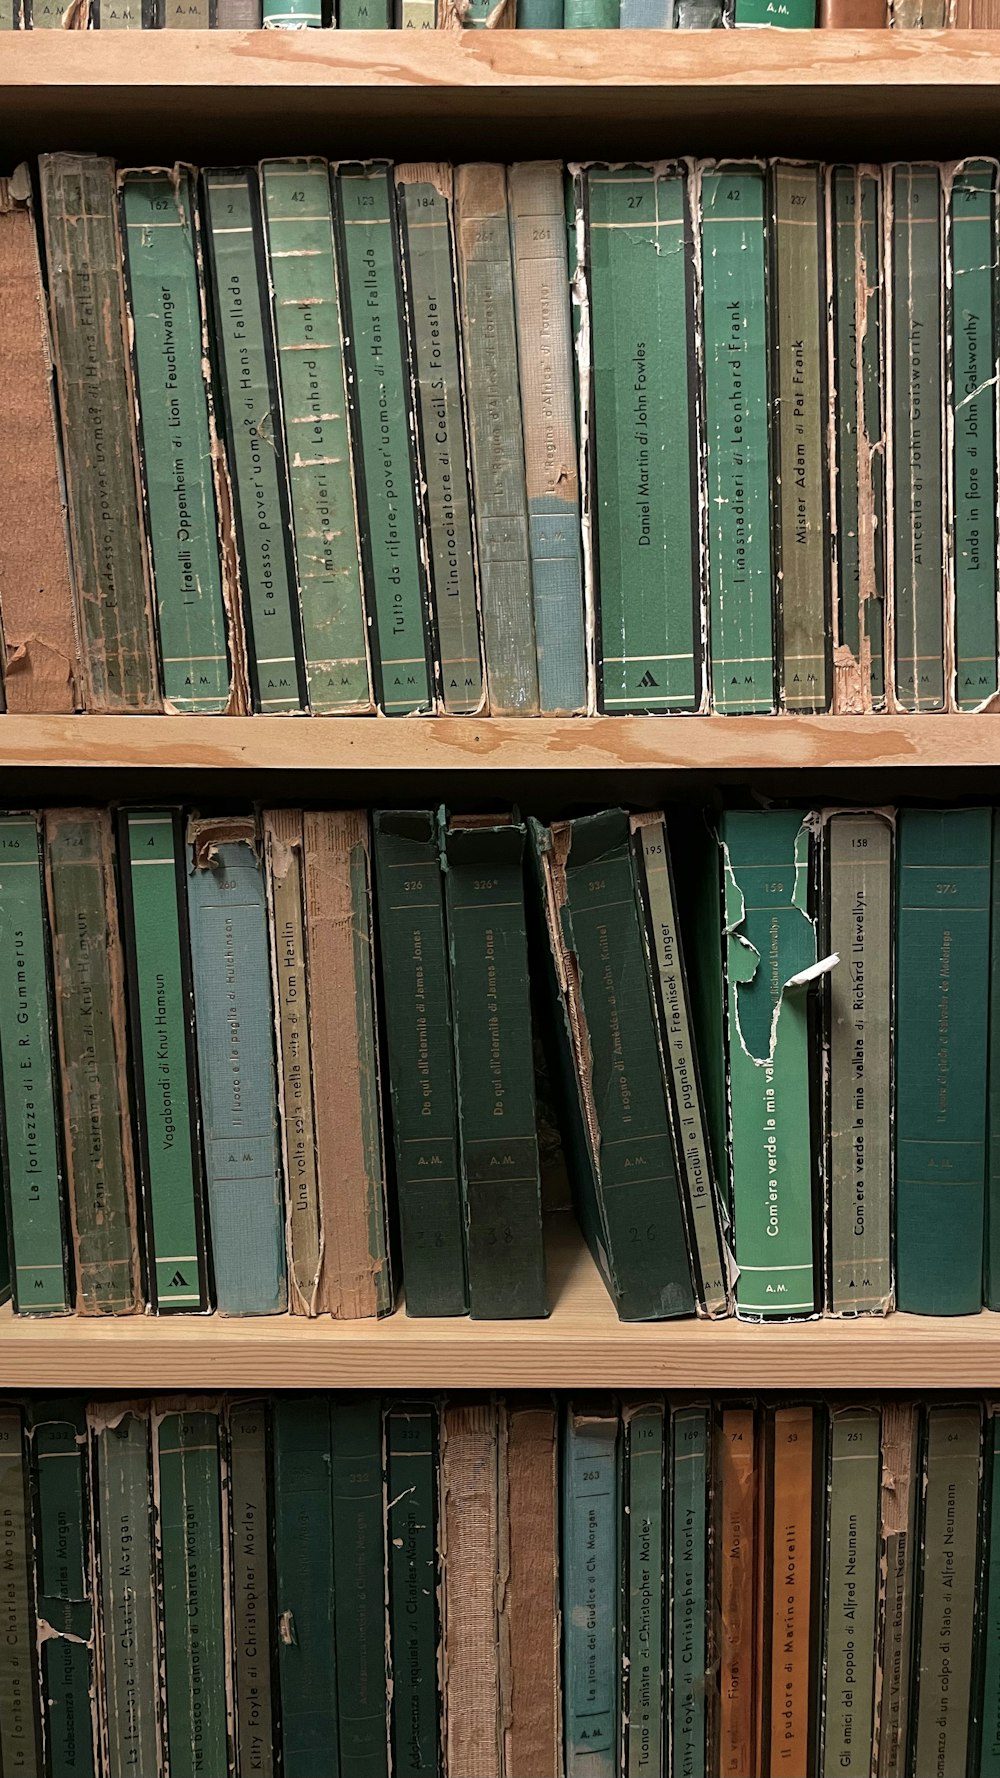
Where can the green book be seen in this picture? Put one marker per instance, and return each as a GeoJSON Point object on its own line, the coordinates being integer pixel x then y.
{"type": "Point", "coordinates": [390, 515]}
{"type": "Point", "coordinates": [164, 1064]}
{"type": "Point", "coordinates": [414, 1635]}
{"type": "Point", "coordinates": [916, 354]}
{"type": "Point", "coordinates": [898, 1500]}
{"type": "Point", "coordinates": [590, 15]}
{"type": "Point", "coordinates": [84, 259]}
{"type": "Point", "coordinates": [643, 1664]}
{"type": "Point", "coordinates": [416, 1003]}
{"type": "Point", "coordinates": [359, 1578]}
{"type": "Point", "coordinates": [591, 1586]}
{"type": "Point", "coordinates": [364, 15]}
{"type": "Point", "coordinates": [292, 15]}
{"type": "Point", "coordinates": [31, 1137]}
{"type": "Point", "coordinates": [797, 15]}
{"type": "Point", "coordinates": [852, 1592]}
{"type": "Point", "coordinates": [972, 349]}
{"type": "Point", "coordinates": [304, 1582]}
{"type": "Point", "coordinates": [644, 434]}
{"type": "Point", "coordinates": [949, 1560]}
{"type": "Point", "coordinates": [251, 1585]}
{"type": "Point", "coordinates": [20, 1715]}
{"type": "Point", "coordinates": [858, 866]}
{"type": "Point", "coordinates": [195, 1653]}
{"type": "Point", "coordinates": [770, 950]}
{"type": "Point", "coordinates": [87, 967]}
{"type": "Point", "coordinates": [800, 412]}
{"type": "Point", "coordinates": [308, 339]}
{"type": "Point", "coordinates": [166, 306]}
{"type": "Point", "coordinates": [424, 199]}
{"type": "Point", "coordinates": [991, 1268]}
{"type": "Point", "coordinates": [734, 323]}
{"type": "Point", "coordinates": [129, 1700]}
{"type": "Point", "coordinates": [64, 1584]}
{"type": "Point", "coordinates": [986, 1749]}
{"type": "Point", "coordinates": [690, 1660]}
{"type": "Point", "coordinates": [942, 1014]}
{"type": "Point", "coordinates": [495, 1069]}
{"type": "Point", "coordinates": [248, 395]}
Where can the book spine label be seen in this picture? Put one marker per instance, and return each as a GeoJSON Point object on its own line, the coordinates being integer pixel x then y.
{"type": "Point", "coordinates": [469, 1541]}
{"type": "Point", "coordinates": [128, 1637]}
{"type": "Point", "coordinates": [359, 1570]}
{"type": "Point", "coordinates": [643, 1653]}
{"type": "Point", "coordinates": [84, 260]}
{"type": "Point", "coordinates": [308, 335]}
{"type": "Point", "coordinates": [789, 1589]}
{"type": "Point", "coordinates": [918, 467]}
{"type": "Point", "coordinates": [496, 444]}
{"type": "Point", "coordinates": [424, 192]}
{"type": "Point", "coordinates": [189, 1494]}
{"type": "Point", "coordinates": [34, 1173]}
{"type": "Point", "coordinates": [530, 1627]}
{"type": "Point", "coordinates": [972, 412]}
{"type": "Point", "coordinates": [988, 1702]}
{"type": "Point", "coordinates": [689, 1652]}
{"type": "Point", "coordinates": [949, 1563]}
{"type": "Point", "coordinates": [236, 1057]}
{"type": "Point", "coordinates": [418, 15]}
{"type": "Point", "coordinates": [898, 1508]}
{"type": "Point", "coordinates": [20, 1724]}
{"type": "Point", "coordinates": [645, 457]}
{"type": "Point", "coordinates": [852, 1579]}
{"type": "Point", "coordinates": [734, 305]}
{"type": "Point", "coordinates": [545, 355]}
{"type": "Point", "coordinates": [89, 989]}
{"type": "Point", "coordinates": [248, 387]}
{"type": "Point", "coordinates": [303, 1542]}
{"type": "Point", "coordinates": [64, 1587]}
{"type": "Point", "coordinates": [591, 1588]}
{"type": "Point", "coordinates": [392, 531]}
{"type": "Point", "coordinates": [414, 1640]}
{"type": "Point", "coordinates": [119, 15]}
{"type": "Point", "coordinates": [252, 1587]}
{"type": "Point", "coordinates": [859, 868]}
{"type": "Point", "coordinates": [736, 1574]}
{"type": "Point", "coordinates": [417, 1009]}
{"type": "Point", "coordinates": [943, 939]}
{"type": "Point", "coordinates": [163, 1060]}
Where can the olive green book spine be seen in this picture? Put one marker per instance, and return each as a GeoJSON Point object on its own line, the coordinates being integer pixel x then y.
{"type": "Point", "coordinates": [304, 278]}
{"type": "Point", "coordinates": [991, 1269]}
{"type": "Point", "coordinates": [972, 415]}
{"type": "Point", "coordinates": [20, 1717]}
{"type": "Point", "coordinates": [949, 1558]}
{"type": "Point", "coordinates": [414, 1630]}
{"type": "Point", "coordinates": [799, 407]}
{"type": "Point", "coordinates": [898, 1510]}
{"type": "Point", "coordinates": [90, 1017]}
{"type": "Point", "coordinates": [852, 1589]}
{"type": "Point", "coordinates": [128, 1627]}
{"type": "Point", "coordinates": [100, 448]}
{"type": "Point", "coordinates": [304, 1583]}
{"type": "Point", "coordinates": [392, 520]}
{"type": "Point", "coordinates": [734, 323]}
{"type": "Point", "coordinates": [359, 1574]}
{"type": "Point", "coordinates": [644, 436]}
{"type": "Point", "coordinates": [35, 1182]}
{"type": "Point", "coordinates": [918, 469]}
{"type": "Point", "coordinates": [690, 1431]}
{"type": "Point", "coordinates": [642, 1656]}
{"type": "Point", "coordinates": [253, 1682]}
{"type": "Point", "coordinates": [591, 1587]}
{"type": "Point", "coordinates": [424, 199]}
{"type": "Point", "coordinates": [64, 1585]}
{"type": "Point", "coordinates": [987, 1700]}
{"type": "Point", "coordinates": [188, 1484]}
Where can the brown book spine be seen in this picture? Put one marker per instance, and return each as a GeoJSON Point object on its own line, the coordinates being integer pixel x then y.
{"type": "Point", "coordinates": [469, 1550]}
{"type": "Point", "coordinates": [529, 1624]}
{"type": "Point", "coordinates": [853, 15]}
{"type": "Point", "coordinates": [786, 1751]}
{"type": "Point", "coordinates": [737, 1484]}
{"type": "Point", "coordinates": [40, 650]}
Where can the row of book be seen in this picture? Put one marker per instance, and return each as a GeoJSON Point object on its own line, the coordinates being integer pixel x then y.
{"type": "Point", "coordinates": [475, 1587]}
{"type": "Point", "coordinates": [341, 471]}
{"type": "Point", "coordinates": [530, 15]}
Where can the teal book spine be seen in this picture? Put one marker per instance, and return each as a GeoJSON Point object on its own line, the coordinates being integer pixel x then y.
{"type": "Point", "coordinates": [391, 519]}
{"type": "Point", "coordinates": [642, 1656]}
{"type": "Point", "coordinates": [304, 1582]}
{"type": "Point", "coordinates": [972, 373]}
{"type": "Point", "coordinates": [942, 1011]}
{"type": "Point", "coordinates": [20, 1715]}
{"type": "Point", "coordinates": [591, 1588]}
{"type": "Point", "coordinates": [292, 15]}
{"type": "Point", "coordinates": [251, 1586]}
{"type": "Point", "coordinates": [735, 330]}
{"type": "Point", "coordinates": [991, 1270]}
{"type": "Point", "coordinates": [690, 1429]}
{"type": "Point", "coordinates": [35, 1184]}
{"type": "Point", "coordinates": [359, 1580]}
{"type": "Point", "coordinates": [195, 1654]}
{"type": "Point", "coordinates": [988, 1693]}
{"type": "Point", "coordinates": [590, 15]}
{"type": "Point", "coordinates": [414, 1631]}
{"type": "Point", "coordinates": [309, 353]}
{"type": "Point", "coordinates": [232, 995]}
{"type": "Point", "coordinates": [364, 15]}
{"type": "Point", "coordinates": [64, 1586]}
{"type": "Point", "coordinates": [539, 15]}
{"type": "Point", "coordinates": [789, 15]}
{"type": "Point", "coordinates": [127, 1604]}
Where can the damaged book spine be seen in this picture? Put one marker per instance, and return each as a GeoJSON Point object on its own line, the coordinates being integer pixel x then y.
{"type": "Point", "coordinates": [973, 380]}
{"type": "Point", "coordinates": [469, 1493]}
{"type": "Point", "coordinates": [250, 1531]}
{"type": "Point", "coordinates": [898, 1495]}
{"type": "Point", "coordinates": [64, 1585]}
{"type": "Point", "coordinates": [128, 1616]}
{"type": "Point", "coordinates": [20, 1726]}
{"type": "Point", "coordinates": [528, 1618]}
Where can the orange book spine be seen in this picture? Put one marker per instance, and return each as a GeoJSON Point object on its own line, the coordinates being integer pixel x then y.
{"type": "Point", "coordinates": [738, 1581]}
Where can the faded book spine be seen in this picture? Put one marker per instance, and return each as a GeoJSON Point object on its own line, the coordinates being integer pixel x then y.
{"type": "Point", "coordinates": [248, 1456]}
{"type": "Point", "coordinates": [690, 1429]}
{"type": "Point", "coordinates": [949, 1533]}
{"type": "Point", "coordinates": [852, 1585]}
{"type": "Point", "coordinates": [283, 869]}
{"type": "Point", "coordinates": [642, 1655]}
{"type": "Point", "coordinates": [736, 1570]}
{"type": "Point", "coordinates": [468, 1491]}
{"type": "Point", "coordinates": [972, 415]}
{"type": "Point", "coordinates": [100, 448]}
{"type": "Point", "coordinates": [991, 1268]}
{"type": "Point", "coordinates": [20, 1721]}
{"type": "Point", "coordinates": [788, 1696]}
{"type": "Point", "coordinates": [189, 1495]}
{"type": "Point", "coordinates": [987, 1703]}
{"type": "Point", "coordinates": [238, 15]}
{"type": "Point", "coordinates": [89, 995]}
{"type": "Point", "coordinates": [414, 1580]}
{"type": "Point", "coordinates": [359, 1576]}
{"type": "Point", "coordinates": [303, 1592]}
{"type": "Point", "coordinates": [591, 1499]}
{"type": "Point", "coordinates": [128, 1635]}
{"type": "Point", "coordinates": [417, 15]}
{"type": "Point", "coordinates": [898, 1518]}
{"type": "Point", "coordinates": [529, 1618]}
{"type": "Point", "coordinates": [64, 1586]}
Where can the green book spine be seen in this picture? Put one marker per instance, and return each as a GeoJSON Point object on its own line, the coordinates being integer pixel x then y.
{"type": "Point", "coordinates": [309, 352]}
{"type": "Point", "coordinates": [689, 1641]}
{"type": "Point", "coordinates": [988, 1696]}
{"type": "Point", "coordinates": [163, 265]}
{"type": "Point", "coordinates": [359, 1573]}
{"type": "Point", "coordinates": [241, 334]}
{"type": "Point", "coordinates": [32, 1150]}
{"type": "Point", "coordinates": [491, 1010]}
{"type": "Point", "coordinates": [644, 436]}
{"type": "Point", "coordinates": [800, 422]}
{"type": "Point", "coordinates": [251, 1587]}
{"type": "Point", "coordinates": [942, 1014]}
{"type": "Point", "coordinates": [537, 205]}
{"type": "Point", "coordinates": [424, 194]}
{"type": "Point", "coordinates": [540, 15]}
{"type": "Point", "coordinates": [161, 1010]}
{"type": "Point", "coordinates": [991, 1271]}
{"type": "Point", "coordinates": [642, 1706]}
{"type": "Point", "coordinates": [413, 947]}
{"type": "Point", "coordinates": [591, 1588]}
{"type": "Point", "coordinates": [770, 938]}
{"type": "Point", "coordinates": [797, 15]}
{"type": "Point", "coordinates": [196, 1660]}
{"type": "Point", "coordinates": [973, 368]}
{"type": "Point", "coordinates": [949, 1556]}
{"type": "Point", "coordinates": [364, 15]}
{"type": "Point", "coordinates": [20, 1712]}
{"type": "Point", "coordinates": [87, 964]}
{"type": "Point", "coordinates": [858, 865]}
{"type": "Point", "coordinates": [86, 294]}
{"type": "Point", "coordinates": [852, 1588]}
{"type": "Point", "coordinates": [411, 1518]}
{"type": "Point", "coordinates": [304, 1580]}
{"type": "Point", "coordinates": [392, 538]}
{"type": "Point", "coordinates": [590, 15]}
{"type": "Point", "coordinates": [734, 322]}
{"type": "Point", "coordinates": [918, 470]}
{"type": "Point", "coordinates": [292, 15]}
{"type": "Point", "coordinates": [64, 1588]}
{"type": "Point", "coordinates": [898, 1500]}
{"type": "Point", "coordinates": [129, 1639]}
{"type": "Point", "coordinates": [496, 441]}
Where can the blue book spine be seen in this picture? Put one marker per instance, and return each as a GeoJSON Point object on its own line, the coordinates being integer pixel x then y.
{"type": "Point", "coordinates": [591, 1586]}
